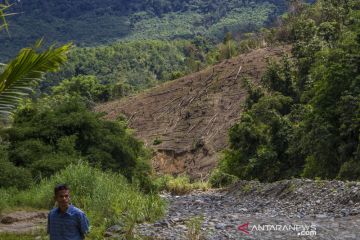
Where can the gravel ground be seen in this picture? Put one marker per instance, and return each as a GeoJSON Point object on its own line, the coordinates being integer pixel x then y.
{"type": "Point", "coordinates": [290, 209]}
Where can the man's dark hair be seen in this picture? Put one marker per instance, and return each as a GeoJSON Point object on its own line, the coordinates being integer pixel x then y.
{"type": "Point", "coordinates": [60, 187]}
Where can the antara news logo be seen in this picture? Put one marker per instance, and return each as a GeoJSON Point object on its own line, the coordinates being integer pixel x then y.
{"type": "Point", "coordinates": [298, 229]}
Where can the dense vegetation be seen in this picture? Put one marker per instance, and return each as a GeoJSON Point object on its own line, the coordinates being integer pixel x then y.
{"type": "Point", "coordinates": [240, 18]}
{"type": "Point", "coordinates": [134, 65]}
{"type": "Point", "coordinates": [47, 136]}
{"type": "Point", "coordinates": [99, 22]}
{"type": "Point", "coordinates": [125, 67]}
{"type": "Point", "coordinates": [304, 121]}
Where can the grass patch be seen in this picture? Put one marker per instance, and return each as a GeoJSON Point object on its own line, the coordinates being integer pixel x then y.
{"type": "Point", "coordinates": [179, 185]}
{"type": "Point", "coordinates": [157, 141]}
{"type": "Point", "coordinates": [291, 188]}
{"type": "Point", "coordinates": [39, 235]}
{"type": "Point", "coordinates": [16, 236]}
{"type": "Point", "coordinates": [319, 182]}
{"type": "Point", "coordinates": [106, 198]}
{"type": "Point", "coordinates": [220, 179]}
{"type": "Point", "coordinates": [247, 188]}
{"type": "Point", "coordinates": [194, 228]}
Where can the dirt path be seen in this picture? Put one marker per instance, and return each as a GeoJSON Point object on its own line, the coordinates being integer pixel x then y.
{"type": "Point", "coordinates": [23, 221]}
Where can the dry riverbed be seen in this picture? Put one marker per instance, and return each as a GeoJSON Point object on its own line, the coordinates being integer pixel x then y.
{"type": "Point", "coordinates": [289, 209]}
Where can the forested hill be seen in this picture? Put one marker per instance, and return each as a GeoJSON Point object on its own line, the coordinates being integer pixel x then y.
{"type": "Point", "coordinates": [93, 22]}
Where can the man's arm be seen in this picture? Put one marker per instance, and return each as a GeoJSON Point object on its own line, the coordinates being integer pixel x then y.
{"type": "Point", "coordinates": [84, 224]}
{"type": "Point", "coordinates": [48, 224]}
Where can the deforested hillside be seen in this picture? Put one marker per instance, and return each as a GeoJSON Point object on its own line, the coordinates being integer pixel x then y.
{"type": "Point", "coordinates": [187, 120]}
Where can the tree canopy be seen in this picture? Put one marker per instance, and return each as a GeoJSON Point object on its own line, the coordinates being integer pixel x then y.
{"type": "Point", "coordinates": [98, 22]}
{"type": "Point", "coordinates": [304, 120]}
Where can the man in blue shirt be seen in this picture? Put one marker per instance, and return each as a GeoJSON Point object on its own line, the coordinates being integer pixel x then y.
{"type": "Point", "coordinates": [66, 222]}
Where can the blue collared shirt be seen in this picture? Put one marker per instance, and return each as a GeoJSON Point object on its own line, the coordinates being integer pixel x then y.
{"type": "Point", "coordinates": [71, 225]}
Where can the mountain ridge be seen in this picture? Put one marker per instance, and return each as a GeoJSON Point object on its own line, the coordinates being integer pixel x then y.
{"type": "Point", "coordinates": [92, 23]}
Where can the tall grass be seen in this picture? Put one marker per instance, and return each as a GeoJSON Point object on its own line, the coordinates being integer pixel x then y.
{"type": "Point", "coordinates": [106, 198]}
{"type": "Point", "coordinates": [194, 228]}
{"type": "Point", "coordinates": [179, 185]}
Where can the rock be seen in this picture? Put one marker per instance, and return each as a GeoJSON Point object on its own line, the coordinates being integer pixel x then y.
{"type": "Point", "coordinates": [110, 235]}
{"type": "Point", "coordinates": [8, 220]}
{"type": "Point", "coordinates": [182, 227]}
{"type": "Point", "coordinates": [220, 226]}
{"type": "Point", "coordinates": [162, 223]}
{"type": "Point", "coordinates": [198, 201]}
{"type": "Point", "coordinates": [345, 212]}
{"type": "Point", "coordinates": [354, 212]}
{"type": "Point", "coordinates": [116, 229]}
{"type": "Point", "coordinates": [21, 216]}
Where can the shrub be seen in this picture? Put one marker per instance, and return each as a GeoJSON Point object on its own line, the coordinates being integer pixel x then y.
{"type": "Point", "coordinates": [219, 178]}
{"type": "Point", "coordinates": [160, 183]}
{"type": "Point", "coordinates": [350, 170]}
{"type": "Point", "coordinates": [179, 185]}
{"type": "Point", "coordinates": [48, 135]}
{"type": "Point", "coordinates": [194, 228]}
{"type": "Point", "coordinates": [157, 141]}
{"type": "Point", "coordinates": [86, 86]}
{"type": "Point", "coordinates": [12, 176]}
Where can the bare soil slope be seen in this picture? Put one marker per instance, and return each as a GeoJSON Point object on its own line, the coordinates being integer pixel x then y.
{"type": "Point", "coordinates": [187, 120]}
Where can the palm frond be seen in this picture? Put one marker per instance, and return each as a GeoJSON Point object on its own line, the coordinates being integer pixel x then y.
{"type": "Point", "coordinates": [24, 71]}
{"type": "Point", "coordinates": [3, 15]}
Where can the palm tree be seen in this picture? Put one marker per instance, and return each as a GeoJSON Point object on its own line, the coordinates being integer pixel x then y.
{"type": "Point", "coordinates": [28, 68]}
{"type": "Point", "coordinates": [25, 70]}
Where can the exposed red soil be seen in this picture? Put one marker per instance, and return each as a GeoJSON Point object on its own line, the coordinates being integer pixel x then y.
{"type": "Point", "coordinates": [191, 116]}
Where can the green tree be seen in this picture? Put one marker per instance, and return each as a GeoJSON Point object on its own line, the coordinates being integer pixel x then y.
{"type": "Point", "coordinates": [11, 175]}
{"type": "Point", "coordinates": [88, 87]}
{"type": "Point", "coordinates": [259, 143]}
{"type": "Point", "coordinates": [46, 136]}
{"type": "Point", "coordinates": [335, 102]}
{"type": "Point", "coordinates": [307, 122]}
{"type": "Point", "coordinates": [228, 48]}
{"type": "Point", "coordinates": [280, 77]}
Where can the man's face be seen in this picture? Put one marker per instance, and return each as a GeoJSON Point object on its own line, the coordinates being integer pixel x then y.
{"type": "Point", "coordinates": [63, 198]}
